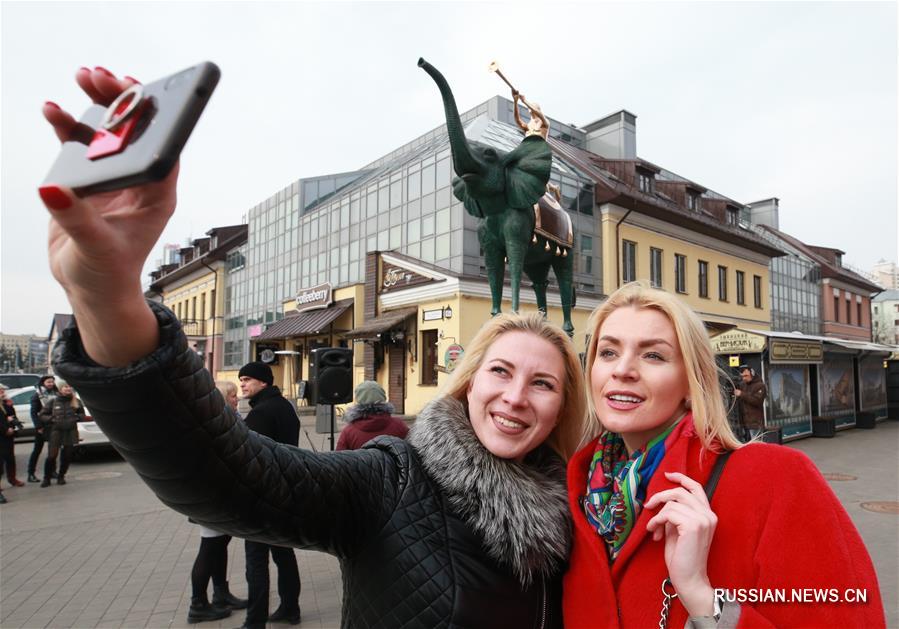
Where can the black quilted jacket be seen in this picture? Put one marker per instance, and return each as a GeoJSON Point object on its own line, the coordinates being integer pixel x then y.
{"type": "Point", "coordinates": [409, 553]}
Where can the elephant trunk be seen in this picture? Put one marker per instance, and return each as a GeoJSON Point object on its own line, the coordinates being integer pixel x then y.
{"type": "Point", "coordinates": [464, 161]}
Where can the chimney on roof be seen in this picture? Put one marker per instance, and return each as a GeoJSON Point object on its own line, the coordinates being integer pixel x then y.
{"type": "Point", "coordinates": [765, 212]}
{"type": "Point", "coordinates": [613, 137]}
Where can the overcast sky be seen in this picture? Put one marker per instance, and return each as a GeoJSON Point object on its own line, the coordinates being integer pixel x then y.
{"type": "Point", "coordinates": [752, 100]}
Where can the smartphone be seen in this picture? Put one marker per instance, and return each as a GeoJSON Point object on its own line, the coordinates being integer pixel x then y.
{"type": "Point", "coordinates": [139, 139]}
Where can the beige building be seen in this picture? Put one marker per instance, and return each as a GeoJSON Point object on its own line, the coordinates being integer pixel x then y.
{"type": "Point", "coordinates": [673, 233]}
{"type": "Point", "coordinates": [193, 288]}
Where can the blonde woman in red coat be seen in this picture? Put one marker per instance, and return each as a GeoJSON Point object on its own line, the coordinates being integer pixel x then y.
{"type": "Point", "coordinates": [773, 549]}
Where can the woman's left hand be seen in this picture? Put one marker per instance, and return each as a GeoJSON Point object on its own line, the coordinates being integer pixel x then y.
{"type": "Point", "coordinates": [688, 525]}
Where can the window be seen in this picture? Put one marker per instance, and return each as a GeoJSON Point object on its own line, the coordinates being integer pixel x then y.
{"type": "Point", "coordinates": [692, 200]}
{"type": "Point", "coordinates": [858, 308]}
{"type": "Point", "coordinates": [655, 267]}
{"type": "Point", "coordinates": [733, 216]}
{"type": "Point", "coordinates": [741, 288]}
{"type": "Point", "coordinates": [722, 283]}
{"type": "Point", "coordinates": [757, 291]}
{"type": "Point", "coordinates": [644, 182]}
{"type": "Point", "coordinates": [848, 310]}
{"type": "Point", "coordinates": [680, 273]}
{"type": "Point", "coordinates": [703, 278]}
{"type": "Point", "coordinates": [836, 308]}
{"type": "Point", "coordinates": [429, 357]}
{"type": "Point", "coordinates": [587, 253]}
{"type": "Point", "coordinates": [629, 261]}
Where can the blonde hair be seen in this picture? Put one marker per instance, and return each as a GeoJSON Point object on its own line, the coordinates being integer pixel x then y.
{"type": "Point", "coordinates": [226, 388]}
{"type": "Point", "coordinates": [566, 436]}
{"type": "Point", "coordinates": [706, 398]}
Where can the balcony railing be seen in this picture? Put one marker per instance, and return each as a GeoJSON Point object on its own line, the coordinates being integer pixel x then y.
{"type": "Point", "coordinates": [194, 327]}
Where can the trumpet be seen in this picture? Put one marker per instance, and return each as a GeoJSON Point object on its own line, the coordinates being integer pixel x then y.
{"type": "Point", "coordinates": [494, 67]}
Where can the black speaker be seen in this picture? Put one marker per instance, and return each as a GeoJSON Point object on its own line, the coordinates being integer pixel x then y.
{"type": "Point", "coordinates": [331, 375]}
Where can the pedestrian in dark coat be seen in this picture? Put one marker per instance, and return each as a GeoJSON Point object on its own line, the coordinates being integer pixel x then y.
{"type": "Point", "coordinates": [370, 417]}
{"type": "Point", "coordinates": [751, 393]}
{"type": "Point", "coordinates": [8, 433]}
{"type": "Point", "coordinates": [60, 417]}
{"type": "Point", "coordinates": [273, 416]}
{"type": "Point", "coordinates": [43, 393]}
{"type": "Point", "coordinates": [211, 563]}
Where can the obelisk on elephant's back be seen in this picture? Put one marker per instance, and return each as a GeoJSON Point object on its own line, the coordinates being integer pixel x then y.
{"type": "Point", "coordinates": [521, 221]}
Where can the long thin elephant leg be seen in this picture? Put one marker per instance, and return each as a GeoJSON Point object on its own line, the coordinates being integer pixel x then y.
{"type": "Point", "coordinates": [515, 251]}
{"type": "Point", "coordinates": [538, 274]}
{"type": "Point", "coordinates": [496, 267]}
{"type": "Point", "coordinates": [517, 231]}
{"type": "Point", "coordinates": [564, 270]}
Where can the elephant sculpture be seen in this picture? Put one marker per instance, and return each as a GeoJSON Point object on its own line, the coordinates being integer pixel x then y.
{"type": "Point", "coordinates": [508, 193]}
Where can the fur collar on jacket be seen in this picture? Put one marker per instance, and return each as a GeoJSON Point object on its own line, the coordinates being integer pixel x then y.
{"type": "Point", "coordinates": [519, 509]}
{"type": "Point", "coordinates": [361, 411]}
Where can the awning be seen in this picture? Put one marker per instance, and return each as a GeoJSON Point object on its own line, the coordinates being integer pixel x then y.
{"type": "Point", "coordinates": [714, 328]}
{"type": "Point", "coordinates": [305, 323]}
{"type": "Point", "coordinates": [373, 328]}
{"type": "Point", "coordinates": [861, 346]}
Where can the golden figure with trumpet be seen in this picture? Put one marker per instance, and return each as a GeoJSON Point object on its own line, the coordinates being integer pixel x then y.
{"type": "Point", "coordinates": [538, 124]}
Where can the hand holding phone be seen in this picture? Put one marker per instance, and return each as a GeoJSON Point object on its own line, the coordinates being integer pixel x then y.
{"type": "Point", "coordinates": [136, 136]}
{"type": "Point", "coordinates": [98, 243]}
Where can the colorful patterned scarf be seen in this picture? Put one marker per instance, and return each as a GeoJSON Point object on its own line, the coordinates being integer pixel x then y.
{"type": "Point", "coordinates": [616, 486]}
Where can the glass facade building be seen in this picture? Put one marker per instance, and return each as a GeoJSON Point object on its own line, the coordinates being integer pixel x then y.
{"type": "Point", "coordinates": [319, 229]}
{"type": "Point", "coordinates": [795, 290]}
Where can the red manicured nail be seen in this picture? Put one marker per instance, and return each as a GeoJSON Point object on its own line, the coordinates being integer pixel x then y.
{"type": "Point", "coordinates": [52, 104]}
{"type": "Point", "coordinates": [85, 68]}
{"type": "Point", "coordinates": [104, 71]}
{"type": "Point", "coordinates": [132, 79]}
{"type": "Point", "coordinates": [54, 198]}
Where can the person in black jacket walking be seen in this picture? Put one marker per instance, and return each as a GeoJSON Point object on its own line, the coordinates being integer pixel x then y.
{"type": "Point", "coordinates": [273, 416]}
{"type": "Point", "coordinates": [44, 392]}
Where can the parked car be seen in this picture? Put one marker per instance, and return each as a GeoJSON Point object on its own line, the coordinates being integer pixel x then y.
{"type": "Point", "coordinates": [19, 380]}
{"type": "Point", "coordinates": [90, 437]}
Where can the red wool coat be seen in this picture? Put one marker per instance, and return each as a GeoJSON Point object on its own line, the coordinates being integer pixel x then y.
{"type": "Point", "coordinates": [780, 526]}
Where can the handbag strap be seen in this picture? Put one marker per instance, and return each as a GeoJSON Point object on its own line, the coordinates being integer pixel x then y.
{"type": "Point", "coordinates": [712, 483]}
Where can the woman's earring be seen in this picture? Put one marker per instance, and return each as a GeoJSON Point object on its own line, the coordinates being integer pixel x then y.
{"type": "Point", "coordinates": [688, 404]}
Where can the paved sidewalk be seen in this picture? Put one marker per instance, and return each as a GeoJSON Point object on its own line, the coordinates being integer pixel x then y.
{"type": "Point", "coordinates": [103, 552]}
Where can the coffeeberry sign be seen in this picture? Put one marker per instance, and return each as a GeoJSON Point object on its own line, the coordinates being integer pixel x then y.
{"type": "Point", "coordinates": [314, 298]}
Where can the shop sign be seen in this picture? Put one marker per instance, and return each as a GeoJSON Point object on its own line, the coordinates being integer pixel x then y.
{"type": "Point", "coordinates": [437, 314]}
{"type": "Point", "coordinates": [314, 298]}
{"type": "Point", "coordinates": [738, 342]}
{"type": "Point", "coordinates": [784, 351]}
{"type": "Point", "coordinates": [395, 277]}
{"type": "Point", "coordinates": [452, 356]}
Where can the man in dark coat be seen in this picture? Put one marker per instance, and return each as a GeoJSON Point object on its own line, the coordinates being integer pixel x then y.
{"type": "Point", "coordinates": [751, 393]}
{"type": "Point", "coordinates": [273, 416]}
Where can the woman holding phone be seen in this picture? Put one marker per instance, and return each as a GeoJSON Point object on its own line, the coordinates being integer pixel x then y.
{"type": "Point", "coordinates": [649, 549]}
{"type": "Point", "coordinates": [464, 524]}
